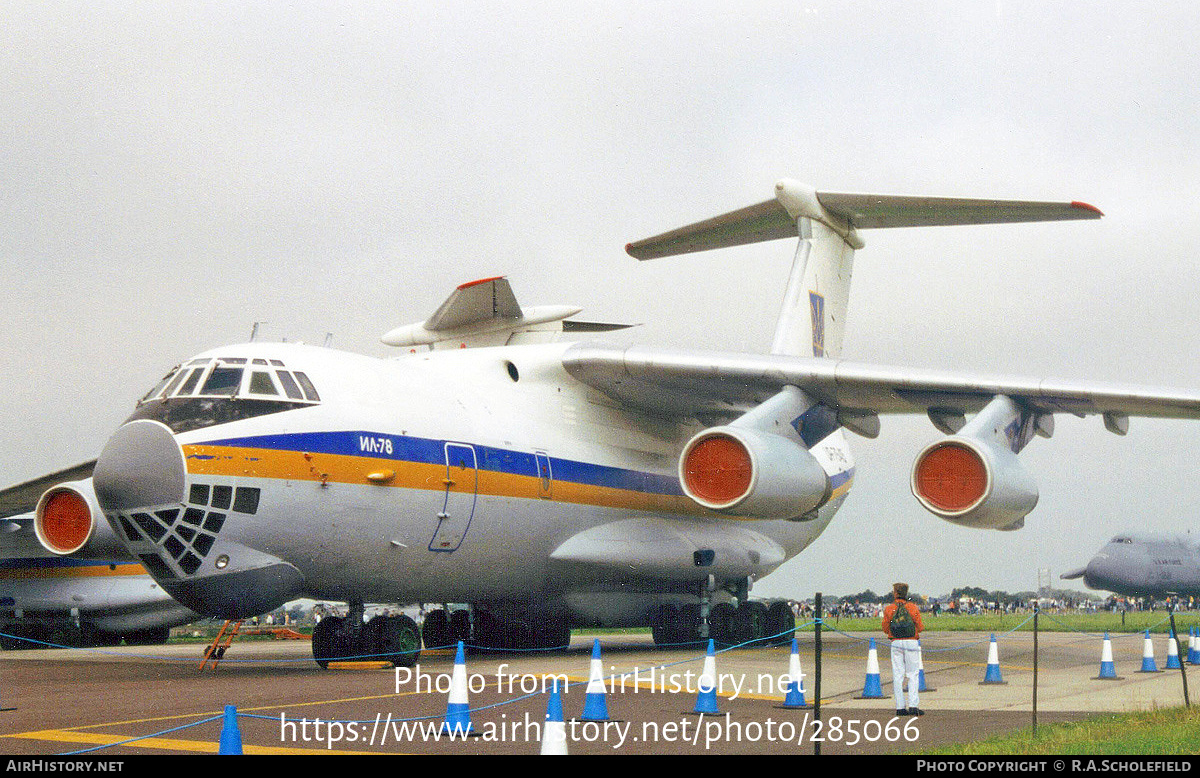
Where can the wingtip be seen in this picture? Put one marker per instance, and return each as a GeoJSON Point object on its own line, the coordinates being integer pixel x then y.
{"type": "Point", "coordinates": [1087, 207]}
{"type": "Point", "coordinates": [469, 284]}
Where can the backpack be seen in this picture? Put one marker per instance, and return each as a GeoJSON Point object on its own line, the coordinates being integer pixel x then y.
{"type": "Point", "coordinates": [902, 625]}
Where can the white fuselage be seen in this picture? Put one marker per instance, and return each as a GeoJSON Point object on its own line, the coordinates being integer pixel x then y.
{"type": "Point", "coordinates": [479, 475]}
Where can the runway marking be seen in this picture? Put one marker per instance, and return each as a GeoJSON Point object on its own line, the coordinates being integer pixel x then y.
{"type": "Point", "coordinates": [167, 744]}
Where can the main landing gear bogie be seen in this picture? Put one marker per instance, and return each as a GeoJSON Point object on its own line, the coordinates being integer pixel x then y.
{"type": "Point", "coordinates": [394, 639]}
{"type": "Point", "coordinates": [486, 630]}
{"type": "Point", "coordinates": [750, 623]}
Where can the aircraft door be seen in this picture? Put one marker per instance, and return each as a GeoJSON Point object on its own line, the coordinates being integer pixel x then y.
{"type": "Point", "coordinates": [458, 504]}
{"type": "Point", "coordinates": [545, 476]}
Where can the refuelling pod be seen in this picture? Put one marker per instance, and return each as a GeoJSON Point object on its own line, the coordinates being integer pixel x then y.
{"type": "Point", "coordinates": [68, 518]}
{"type": "Point", "coordinates": [746, 472]}
{"type": "Point", "coordinates": [973, 483]}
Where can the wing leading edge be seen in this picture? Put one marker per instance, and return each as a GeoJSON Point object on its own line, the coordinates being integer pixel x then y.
{"type": "Point", "coordinates": [23, 498]}
{"type": "Point", "coordinates": [697, 383]}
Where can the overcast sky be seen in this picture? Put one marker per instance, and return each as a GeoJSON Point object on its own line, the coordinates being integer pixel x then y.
{"type": "Point", "coordinates": [172, 173]}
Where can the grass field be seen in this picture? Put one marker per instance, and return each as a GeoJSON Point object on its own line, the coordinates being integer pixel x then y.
{"type": "Point", "coordinates": [1166, 732]}
{"type": "Point", "coordinates": [1091, 623]}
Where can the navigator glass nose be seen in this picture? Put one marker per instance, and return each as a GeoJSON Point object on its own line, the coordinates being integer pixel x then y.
{"type": "Point", "coordinates": [141, 466]}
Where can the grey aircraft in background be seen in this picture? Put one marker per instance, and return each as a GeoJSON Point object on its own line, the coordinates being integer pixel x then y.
{"type": "Point", "coordinates": [1144, 566]}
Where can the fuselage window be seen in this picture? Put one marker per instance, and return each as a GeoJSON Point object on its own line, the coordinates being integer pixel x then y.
{"type": "Point", "coordinates": [223, 381]}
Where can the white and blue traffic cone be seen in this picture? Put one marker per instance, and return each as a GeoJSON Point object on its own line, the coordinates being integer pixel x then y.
{"type": "Point", "coordinates": [872, 690]}
{"type": "Point", "coordinates": [1172, 652]}
{"type": "Point", "coordinates": [595, 703]}
{"type": "Point", "coordinates": [921, 686]}
{"type": "Point", "coordinates": [1194, 647]}
{"type": "Point", "coordinates": [1108, 671]}
{"type": "Point", "coordinates": [554, 735]}
{"type": "Point", "coordinates": [706, 699]}
{"type": "Point", "coordinates": [231, 736]}
{"type": "Point", "coordinates": [991, 676]}
{"type": "Point", "coordinates": [458, 715]}
{"type": "Point", "coordinates": [795, 691]}
{"type": "Point", "coordinates": [1148, 664]}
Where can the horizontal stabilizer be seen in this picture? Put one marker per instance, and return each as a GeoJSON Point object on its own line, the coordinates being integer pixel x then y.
{"type": "Point", "coordinates": [846, 212]}
{"type": "Point", "coordinates": [475, 302]}
{"type": "Point", "coordinates": [593, 326]}
{"type": "Point", "coordinates": [482, 313]}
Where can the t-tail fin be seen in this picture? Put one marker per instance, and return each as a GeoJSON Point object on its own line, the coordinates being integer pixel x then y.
{"type": "Point", "coordinates": [813, 316]}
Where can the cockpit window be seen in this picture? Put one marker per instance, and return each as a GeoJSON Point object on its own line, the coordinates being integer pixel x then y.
{"type": "Point", "coordinates": [261, 383]}
{"type": "Point", "coordinates": [289, 385]}
{"type": "Point", "coordinates": [223, 381]}
{"type": "Point", "coordinates": [1123, 540]}
{"type": "Point", "coordinates": [206, 392]}
{"type": "Point", "coordinates": [174, 383]}
{"type": "Point", "coordinates": [190, 383]}
{"type": "Point", "coordinates": [158, 387]}
{"type": "Point", "coordinates": [310, 391]}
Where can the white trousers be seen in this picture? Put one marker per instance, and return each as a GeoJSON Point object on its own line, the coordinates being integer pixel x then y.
{"type": "Point", "coordinates": [906, 663]}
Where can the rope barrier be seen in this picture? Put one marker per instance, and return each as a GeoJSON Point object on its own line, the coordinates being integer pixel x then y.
{"type": "Point", "coordinates": [612, 678]}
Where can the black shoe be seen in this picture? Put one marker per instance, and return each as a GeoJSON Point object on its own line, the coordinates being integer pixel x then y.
{"type": "Point", "coordinates": [902, 712]}
{"type": "Point", "coordinates": [915, 712]}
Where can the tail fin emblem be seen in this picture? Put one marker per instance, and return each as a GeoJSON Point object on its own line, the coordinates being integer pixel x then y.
{"type": "Point", "coordinates": [817, 307]}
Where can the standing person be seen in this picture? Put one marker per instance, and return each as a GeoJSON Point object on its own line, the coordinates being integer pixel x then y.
{"type": "Point", "coordinates": [902, 625]}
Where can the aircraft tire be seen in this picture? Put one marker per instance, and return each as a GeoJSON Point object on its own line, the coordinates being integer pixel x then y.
{"type": "Point", "coordinates": [395, 639]}
{"type": "Point", "coordinates": [552, 633]}
{"type": "Point", "coordinates": [780, 624]}
{"type": "Point", "coordinates": [436, 630]}
{"type": "Point", "coordinates": [329, 642]}
{"type": "Point", "coordinates": [665, 627]}
{"type": "Point", "coordinates": [488, 633]}
{"type": "Point", "coordinates": [460, 626]}
{"type": "Point", "coordinates": [720, 623]}
{"type": "Point", "coordinates": [749, 624]}
{"type": "Point", "coordinates": [689, 624]}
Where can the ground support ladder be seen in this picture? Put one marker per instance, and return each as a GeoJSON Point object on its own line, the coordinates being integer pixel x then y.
{"type": "Point", "coordinates": [216, 651]}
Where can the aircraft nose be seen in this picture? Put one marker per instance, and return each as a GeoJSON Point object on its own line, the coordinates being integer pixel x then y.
{"type": "Point", "coordinates": [1114, 572]}
{"type": "Point", "coordinates": [141, 466]}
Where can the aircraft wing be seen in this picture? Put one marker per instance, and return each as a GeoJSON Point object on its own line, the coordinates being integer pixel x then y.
{"type": "Point", "coordinates": [23, 498]}
{"type": "Point", "coordinates": [697, 383]}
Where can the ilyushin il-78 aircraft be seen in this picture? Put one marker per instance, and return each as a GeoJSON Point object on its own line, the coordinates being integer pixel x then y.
{"type": "Point", "coordinates": [549, 481]}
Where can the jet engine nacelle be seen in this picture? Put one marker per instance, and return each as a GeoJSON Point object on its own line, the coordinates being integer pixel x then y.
{"type": "Point", "coordinates": [68, 518]}
{"type": "Point", "coordinates": [973, 483]}
{"type": "Point", "coordinates": [747, 472]}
